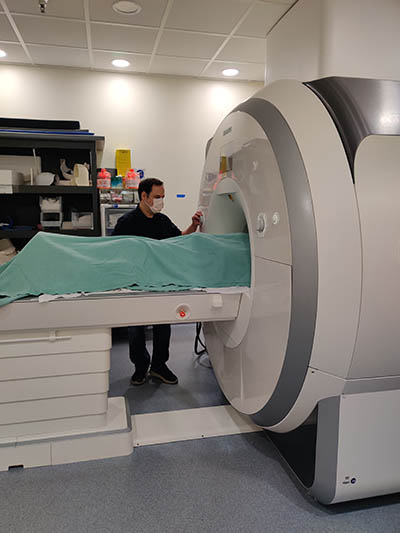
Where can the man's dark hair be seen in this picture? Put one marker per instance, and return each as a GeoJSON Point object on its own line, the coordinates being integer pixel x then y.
{"type": "Point", "coordinates": [147, 184]}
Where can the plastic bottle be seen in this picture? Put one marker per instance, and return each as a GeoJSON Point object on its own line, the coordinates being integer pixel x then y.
{"type": "Point", "coordinates": [103, 179]}
{"type": "Point", "coordinates": [132, 180]}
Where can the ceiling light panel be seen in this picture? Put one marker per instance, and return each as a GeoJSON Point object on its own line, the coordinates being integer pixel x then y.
{"type": "Point", "coordinates": [59, 56]}
{"type": "Point", "coordinates": [261, 19]}
{"type": "Point", "coordinates": [55, 8]}
{"type": "Point", "coordinates": [214, 16]}
{"type": "Point", "coordinates": [184, 44]}
{"type": "Point", "coordinates": [150, 15]}
{"type": "Point", "coordinates": [230, 72]}
{"type": "Point", "coordinates": [124, 39]}
{"type": "Point", "coordinates": [120, 63]}
{"type": "Point", "coordinates": [6, 31]}
{"type": "Point", "coordinates": [246, 71]}
{"type": "Point", "coordinates": [177, 66]}
{"type": "Point", "coordinates": [44, 30]}
{"type": "Point", "coordinates": [244, 49]}
{"type": "Point", "coordinates": [138, 63]}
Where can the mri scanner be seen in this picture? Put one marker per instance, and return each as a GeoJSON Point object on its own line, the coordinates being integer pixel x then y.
{"type": "Point", "coordinates": [311, 352]}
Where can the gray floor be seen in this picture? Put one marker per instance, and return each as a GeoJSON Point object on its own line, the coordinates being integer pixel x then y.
{"type": "Point", "coordinates": [197, 385]}
{"type": "Point", "coordinates": [226, 484]}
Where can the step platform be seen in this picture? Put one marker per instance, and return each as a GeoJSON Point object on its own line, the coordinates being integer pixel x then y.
{"type": "Point", "coordinates": [112, 439]}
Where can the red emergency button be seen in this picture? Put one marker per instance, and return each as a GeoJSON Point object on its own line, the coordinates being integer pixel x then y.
{"type": "Point", "coordinates": [182, 311]}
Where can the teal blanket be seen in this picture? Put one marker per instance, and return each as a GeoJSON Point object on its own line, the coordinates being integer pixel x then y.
{"type": "Point", "coordinates": [62, 264]}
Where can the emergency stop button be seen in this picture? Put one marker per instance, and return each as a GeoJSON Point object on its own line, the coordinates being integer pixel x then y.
{"type": "Point", "coordinates": [182, 311]}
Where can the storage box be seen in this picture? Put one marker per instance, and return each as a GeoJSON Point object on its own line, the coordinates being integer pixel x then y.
{"type": "Point", "coordinates": [11, 177]}
{"type": "Point", "coordinates": [82, 220]}
{"type": "Point", "coordinates": [22, 163]}
{"type": "Point", "coordinates": [51, 219]}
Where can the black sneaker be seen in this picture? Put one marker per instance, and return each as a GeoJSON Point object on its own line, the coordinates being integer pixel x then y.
{"type": "Point", "coordinates": [139, 377]}
{"type": "Point", "coordinates": [164, 374]}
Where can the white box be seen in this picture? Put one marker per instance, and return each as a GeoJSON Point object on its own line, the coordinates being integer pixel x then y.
{"type": "Point", "coordinates": [11, 177]}
{"type": "Point", "coordinates": [82, 220]}
{"type": "Point", "coordinates": [22, 163]}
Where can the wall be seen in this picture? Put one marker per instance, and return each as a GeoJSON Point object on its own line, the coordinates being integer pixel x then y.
{"type": "Point", "coordinates": [294, 45]}
{"type": "Point", "coordinates": [165, 121]}
{"type": "Point", "coordinates": [319, 38]}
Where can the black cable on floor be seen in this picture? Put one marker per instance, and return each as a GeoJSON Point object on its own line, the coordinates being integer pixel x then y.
{"type": "Point", "coordinates": [198, 341]}
{"type": "Point", "coordinates": [203, 350]}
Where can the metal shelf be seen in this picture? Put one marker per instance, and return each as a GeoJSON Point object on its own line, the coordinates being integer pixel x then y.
{"type": "Point", "coordinates": [33, 138]}
{"type": "Point", "coordinates": [21, 205]}
{"type": "Point", "coordinates": [52, 189]}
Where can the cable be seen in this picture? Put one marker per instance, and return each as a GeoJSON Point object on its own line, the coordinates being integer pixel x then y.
{"type": "Point", "coordinates": [197, 351]}
{"type": "Point", "coordinates": [198, 341]}
{"type": "Point", "coordinates": [198, 361]}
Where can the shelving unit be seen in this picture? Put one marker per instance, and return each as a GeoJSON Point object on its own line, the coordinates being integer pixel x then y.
{"type": "Point", "coordinates": [51, 189]}
{"type": "Point", "coordinates": [22, 205]}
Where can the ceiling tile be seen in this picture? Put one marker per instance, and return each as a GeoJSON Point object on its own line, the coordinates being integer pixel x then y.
{"type": "Point", "coordinates": [105, 37]}
{"type": "Point", "coordinates": [15, 54]}
{"type": "Point", "coordinates": [261, 19]}
{"type": "Point", "coordinates": [214, 16]}
{"type": "Point", "coordinates": [175, 43]}
{"type": "Point", "coordinates": [244, 49]}
{"type": "Point", "coordinates": [55, 8]}
{"type": "Point", "coordinates": [60, 56]}
{"type": "Point", "coordinates": [138, 63]}
{"type": "Point", "coordinates": [51, 31]}
{"type": "Point", "coordinates": [177, 66]}
{"type": "Point", "coordinates": [247, 71]}
{"type": "Point", "coordinates": [151, 14]}
{"type": "Point", "coordinates": [6, 31]}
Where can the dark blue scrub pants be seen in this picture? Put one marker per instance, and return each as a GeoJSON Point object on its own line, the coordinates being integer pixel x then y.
{"type": "Point", "coordinates": [138, 353]}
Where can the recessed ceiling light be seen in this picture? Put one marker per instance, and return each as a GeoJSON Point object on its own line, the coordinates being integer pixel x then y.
{"type": "Point", "coordinates": [126, 7]}
{"type": "Point", "coordinates": [3, 53]}
{"type": "Point", "coordinates": [121, 63]}
{"type": "Point", "coordinates": [230, 72]}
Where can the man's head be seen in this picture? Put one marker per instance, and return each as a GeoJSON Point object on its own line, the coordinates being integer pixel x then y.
{"type": "Point", "coordinates": [151, 193]}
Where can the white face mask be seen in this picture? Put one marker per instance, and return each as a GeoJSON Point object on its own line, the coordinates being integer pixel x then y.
{"type": "Point", "coordinates": [158, 204]}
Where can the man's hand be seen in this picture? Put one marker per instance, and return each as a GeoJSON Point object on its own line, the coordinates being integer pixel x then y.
{"type": "Point", "coordinates": [196, 221]}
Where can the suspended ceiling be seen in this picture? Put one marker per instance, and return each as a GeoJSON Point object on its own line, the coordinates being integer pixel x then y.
{"type": "Point", "coordinates": [178, 37]}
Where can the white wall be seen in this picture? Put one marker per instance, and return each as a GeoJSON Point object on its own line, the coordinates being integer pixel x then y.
{"type": "Point", "coordinates": [294, 45]}
{"type": "Point", "coordinates": [165, 121]}
{"type": "Point", "coordinates": [319, 38]}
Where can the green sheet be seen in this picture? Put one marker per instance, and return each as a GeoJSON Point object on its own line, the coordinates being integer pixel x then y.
{"type": "Point", "coordinates": [63, 264]}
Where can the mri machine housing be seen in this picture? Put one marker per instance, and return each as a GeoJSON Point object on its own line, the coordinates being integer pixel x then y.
{"type": "Point", "coordinates": [312, 172]}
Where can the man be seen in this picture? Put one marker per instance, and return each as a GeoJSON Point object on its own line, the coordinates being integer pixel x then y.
{"type": "Point", "coordinates": [148, 221]}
